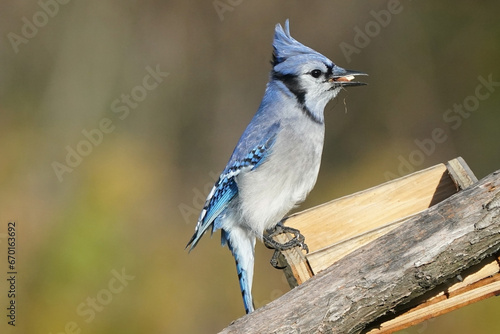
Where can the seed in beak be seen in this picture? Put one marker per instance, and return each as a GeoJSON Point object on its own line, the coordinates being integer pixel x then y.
{"type": "Point", "coordinates": [346, 78]}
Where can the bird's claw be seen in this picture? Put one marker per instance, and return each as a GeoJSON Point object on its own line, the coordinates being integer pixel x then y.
{"type": "Point", "coordinates": [297, 241]}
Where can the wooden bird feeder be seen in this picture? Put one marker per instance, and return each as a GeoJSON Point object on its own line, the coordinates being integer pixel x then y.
{"type": "Point", "coordinates": [337, 228]}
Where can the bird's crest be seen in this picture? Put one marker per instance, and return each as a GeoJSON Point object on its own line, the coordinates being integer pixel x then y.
{"type": "Point", "coordinates": [285, 46]}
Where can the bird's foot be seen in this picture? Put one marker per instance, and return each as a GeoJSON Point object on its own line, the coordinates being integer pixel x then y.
{"type": "Point", "coordinates": [269, 242]}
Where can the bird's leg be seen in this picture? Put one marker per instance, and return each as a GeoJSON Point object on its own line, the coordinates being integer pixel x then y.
{"type": "Point", "coordinates": [269, 242]}
{"type": "Point", "coordinates": [298, 238]}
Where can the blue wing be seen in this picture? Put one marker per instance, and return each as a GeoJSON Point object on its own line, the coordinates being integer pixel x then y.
{"type": "Point", "coordinates": [226, 189]}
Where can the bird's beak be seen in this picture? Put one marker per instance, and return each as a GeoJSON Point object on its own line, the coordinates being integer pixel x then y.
{"type": "Point", "coordinates": [343, 78]}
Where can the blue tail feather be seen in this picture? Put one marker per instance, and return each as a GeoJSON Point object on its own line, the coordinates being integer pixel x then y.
{"type": "Point", "coordinates": [245, 289]}
{"type": "Point", "coordinates": [244, 258]}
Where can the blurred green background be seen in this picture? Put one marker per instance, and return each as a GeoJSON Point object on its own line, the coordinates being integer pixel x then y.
{"type": "Point", "coordinates": [127, 207]}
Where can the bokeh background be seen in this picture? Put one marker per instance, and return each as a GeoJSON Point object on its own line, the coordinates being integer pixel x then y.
{"type": "Point", "coordinates": [129, 205]}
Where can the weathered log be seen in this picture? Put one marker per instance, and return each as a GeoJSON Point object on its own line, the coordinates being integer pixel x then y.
{"type": "Point", "coordinates": [424, 252]}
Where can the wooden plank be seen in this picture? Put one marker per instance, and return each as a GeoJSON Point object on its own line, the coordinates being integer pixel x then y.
{"type": "Point", "coordinates": [460, 173]}
{"type": "Point", "coordinates": [355, 214]}
{"type": "Point", "coordinates": [481, 290]}
{"type": "Point", "coordinates": [325, 257]}
{"type": "Point", "coordinates": [447, 297]}
{"type": "Point", "coordinates": [488, 287]}
{"type": "Point", "coordinates": [297, 269]}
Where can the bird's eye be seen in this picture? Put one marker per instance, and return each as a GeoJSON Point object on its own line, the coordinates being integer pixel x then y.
{"type": "Point", "coordinates": [316, 73]}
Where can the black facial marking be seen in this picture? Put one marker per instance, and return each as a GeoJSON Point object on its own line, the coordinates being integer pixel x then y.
{"type": "Point", "coordinates": [292, 83]}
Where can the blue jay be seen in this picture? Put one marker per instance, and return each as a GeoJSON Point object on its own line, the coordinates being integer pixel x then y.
{"type": "Point", "coordinates": [276, 161]}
